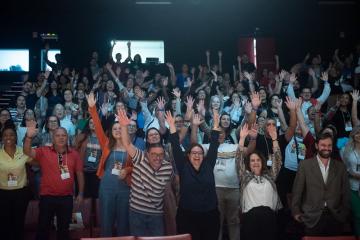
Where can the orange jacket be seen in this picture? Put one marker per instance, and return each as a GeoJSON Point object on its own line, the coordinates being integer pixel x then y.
{"type": "Point", "coordinates": [104, 142]}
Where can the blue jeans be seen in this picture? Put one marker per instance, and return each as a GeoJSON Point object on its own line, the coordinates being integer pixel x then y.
{"type": "Point", "coordinates": [114, 208]}
{"type": "Point", "coordinates": [142, 224]}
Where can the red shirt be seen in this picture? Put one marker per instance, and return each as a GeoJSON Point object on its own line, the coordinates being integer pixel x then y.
{"type": "Point", "coordinates": [51, 182]}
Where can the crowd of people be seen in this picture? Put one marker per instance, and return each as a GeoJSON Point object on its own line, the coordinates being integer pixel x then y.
{"type": "Point", "coordinates": [193, 151]}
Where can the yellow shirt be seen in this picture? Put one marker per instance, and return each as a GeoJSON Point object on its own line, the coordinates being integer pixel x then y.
{"type": "Point", "coordinates": [12, 170]}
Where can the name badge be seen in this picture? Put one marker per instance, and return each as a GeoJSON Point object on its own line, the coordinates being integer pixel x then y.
{"type": "Point", "coordinates": [269, 163]}
{"type": "Point", "coordinates": [65, 175]}
{"type": "Point", "coordinates": [91, 159]}
{"type": "Point", "coordinates": [116, 169]}
{"type": "Point", "coordinates": [348, 126]}
{"type": "Point", "coordinates": [12, 183]}
{"type": "Point", "coordinates": [12, 180]}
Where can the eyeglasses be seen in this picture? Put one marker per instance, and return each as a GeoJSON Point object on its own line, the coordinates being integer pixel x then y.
{"type": "Point", "coordinates": [197, 153]}
{"type": "Point", "coordinates": [157, 155]}
{"type": "Point", "coordinates": [131, 126]}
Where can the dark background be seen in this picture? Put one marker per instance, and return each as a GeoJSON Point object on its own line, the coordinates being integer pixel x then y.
{"type": "Point", "coordinates": [188, 27]}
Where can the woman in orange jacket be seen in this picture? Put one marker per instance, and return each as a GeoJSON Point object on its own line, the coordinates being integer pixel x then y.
{"type": "Point", "coordinates": [114, 170]}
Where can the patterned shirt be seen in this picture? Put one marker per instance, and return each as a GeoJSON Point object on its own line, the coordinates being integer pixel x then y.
{"type": "Point", "coordinates": [148, 185]}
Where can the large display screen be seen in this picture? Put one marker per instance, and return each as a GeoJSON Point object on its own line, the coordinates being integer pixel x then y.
{"type": "Point", "coordinates": [51, 57]}
{"type": "Point", "coordinates": [14, 60]}
{"type": "Point", "coordinates": [146, 49]}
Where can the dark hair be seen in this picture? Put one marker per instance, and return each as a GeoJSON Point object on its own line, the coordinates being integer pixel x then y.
{"type": "Point", "coordinates": [23, 122]}
{"type": "Point", "coordinates": [263, 161]}
{"type": "Point", "coordinates": [147, 133]}
{"type": "Point", "coordinates": [194, 145]}
{"type": "Point", "coordinates": [9, 124]}
{"type": "Point", "coordinates": [47, 122]}
{"type": "Point", "coordinates": [154, 145]}
{"type": "Point", "coordinates": [323, 136]}
{"type": "Point", "coordinates": [333, 129]}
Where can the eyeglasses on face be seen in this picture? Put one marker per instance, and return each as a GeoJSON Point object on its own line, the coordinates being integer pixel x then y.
{"type": "Point", "coordinates": [196, 153]}
{"type": "Point", "coordinates": [157, 155]}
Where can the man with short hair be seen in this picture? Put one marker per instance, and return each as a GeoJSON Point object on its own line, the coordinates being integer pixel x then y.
{"type": "Point", "coordinates": [150, 175]}
{"type": "Point", "coordinates": [58, 164]}
{"type": "Point", "coordinates": [321, 192]}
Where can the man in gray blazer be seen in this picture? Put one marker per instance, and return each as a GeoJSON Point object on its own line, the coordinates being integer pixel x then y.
{"type": "Point", "coordinates": [321, 192]}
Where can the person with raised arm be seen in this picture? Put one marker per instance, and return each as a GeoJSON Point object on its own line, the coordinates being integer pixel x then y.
{"type": "Point", "coordinates": [258, 195]}
{"type": "Point", "coordinates": [59, 164]}
{"type": "Point", "coordinates": [198, 212]}
{"type": "Point", "coordinates": [150, 175]}
{"type": "Point", "coordinates": [354, 111]}
{"type": "Point", "coordinates": [114, 169]}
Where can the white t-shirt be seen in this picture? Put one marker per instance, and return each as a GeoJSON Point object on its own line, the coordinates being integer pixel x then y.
{"type": "Point", "coordinates": [225, 168]}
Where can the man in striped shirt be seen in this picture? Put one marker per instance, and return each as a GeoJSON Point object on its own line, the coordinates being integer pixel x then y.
{"type": "Point", "coordinates": [150, 175]}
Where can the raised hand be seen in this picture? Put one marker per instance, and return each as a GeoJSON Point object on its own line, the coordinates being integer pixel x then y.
{"type": "Point", "coordinates": [311, 72]}
{"type": "Point", "coordinates": [192, 71]}
{"type": "Point", "coordinates": [355, 95]}
{"type": "Point", "coordinates": [290, 104]}
{"type": "Point", "coordinates": [160, 102]}
{"type": "Point", "coordinates": [189, 102]}
{"type": "Point", "coordinates": [31, 128]}
{"type": "Point", "coordinates": [176, 92]}
{"type": "Point", "coordinates": [207, 53]}
{"type": "Point", "coordinates": [104, 108]}
{"type": "Point", "coordinates": [272, 132]}
{"type": "Point", "coordinates": [196, 120]}
{"type": "Point", "coordinates": [170, 119]}
{"type": "Point", "coordinates": [128, 44]}
{"type": "Point", "coordinates": [282, 74]}
{"type": "Point", "coordinates": [220, 54]}
{"type": "Point", "coordinates": [140, 94]}
{"type": "Point", "coordinates": [169, 65]}
{"type": "Point", "coordinates": [239, 59]}
{"type": "Point", "coordinates": [133, 115]}
{"type": "Point", "coordinates": [298, 104]}
{"type": "Point", "coordinates": [248, 107]}
{"type": "Point", "coordinates": [244, 131]}
{"type": "Point", "coordinates": [324, 76]}
{"type": "Point", "coordinates": [249, 76]}
{"type": "Point", "coordinates": [254, 131]}
{"type": "Point", "coordinates": [91, 99]}
{"type": "Point", "coordinates": [255, 100]}
{"type": "Point", "coordinates": [123, 119]}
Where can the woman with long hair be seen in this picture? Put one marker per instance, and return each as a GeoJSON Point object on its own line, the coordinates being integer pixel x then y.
{"type": "Point", "coordinates": [351, 157]}
{"type": "Point", "coordinates": [259, 197]}
{"type": "Point", "coordinates": [114, 170]}
{"type": "Point", "coordinates": [89, 149]}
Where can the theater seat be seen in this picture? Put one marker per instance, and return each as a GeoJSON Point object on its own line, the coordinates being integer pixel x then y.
{"type": "Point", "coordinates": [330, 238]}
{"type": "Point", "coordinates": [174, 237]}
{"type": "Point", "coordinates": [111, 238]}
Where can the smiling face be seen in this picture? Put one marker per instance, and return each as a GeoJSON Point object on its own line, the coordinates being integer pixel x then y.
{"type": "Point", "coordinates": [255, 164]}
{"type": "Point", "coordinates": [215, 103]}
{"type": "Point", "coordinates": [153, 136]}
{"type": "Point", "coordinates": [155, 156]}
{"type": "Point", "coordinates": [9, 137]}
{"type": "Point", "coordinates": [262, 94]}
{"type": "Point", "coordinates": [68, 96]}
{"type": "Point", "coordinates": [59, 111]}
{"type": "Point", "coordinates": [52, 123]}
{"type": "Point", "coordinates": [116, 131]}
{"type": "Point", "coordinates": [324, 147]}
{"type": "Point", "coordinates": [201, 95]}
{"type": "Point", "coordinates": [274, 101]}
{"type": "Point", "coordinates": [196, 156]}
{"type": "Point", "coordinates": [225, 121]}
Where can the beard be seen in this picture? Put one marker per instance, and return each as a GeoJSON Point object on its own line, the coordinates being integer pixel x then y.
{"type": "Point", "coordinates": [325, 154]}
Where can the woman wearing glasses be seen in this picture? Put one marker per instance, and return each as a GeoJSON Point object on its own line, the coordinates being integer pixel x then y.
{"type": "Point", "coordinates": [114, 170]}
{"type": "Point", "coordinates": [197, 213]}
